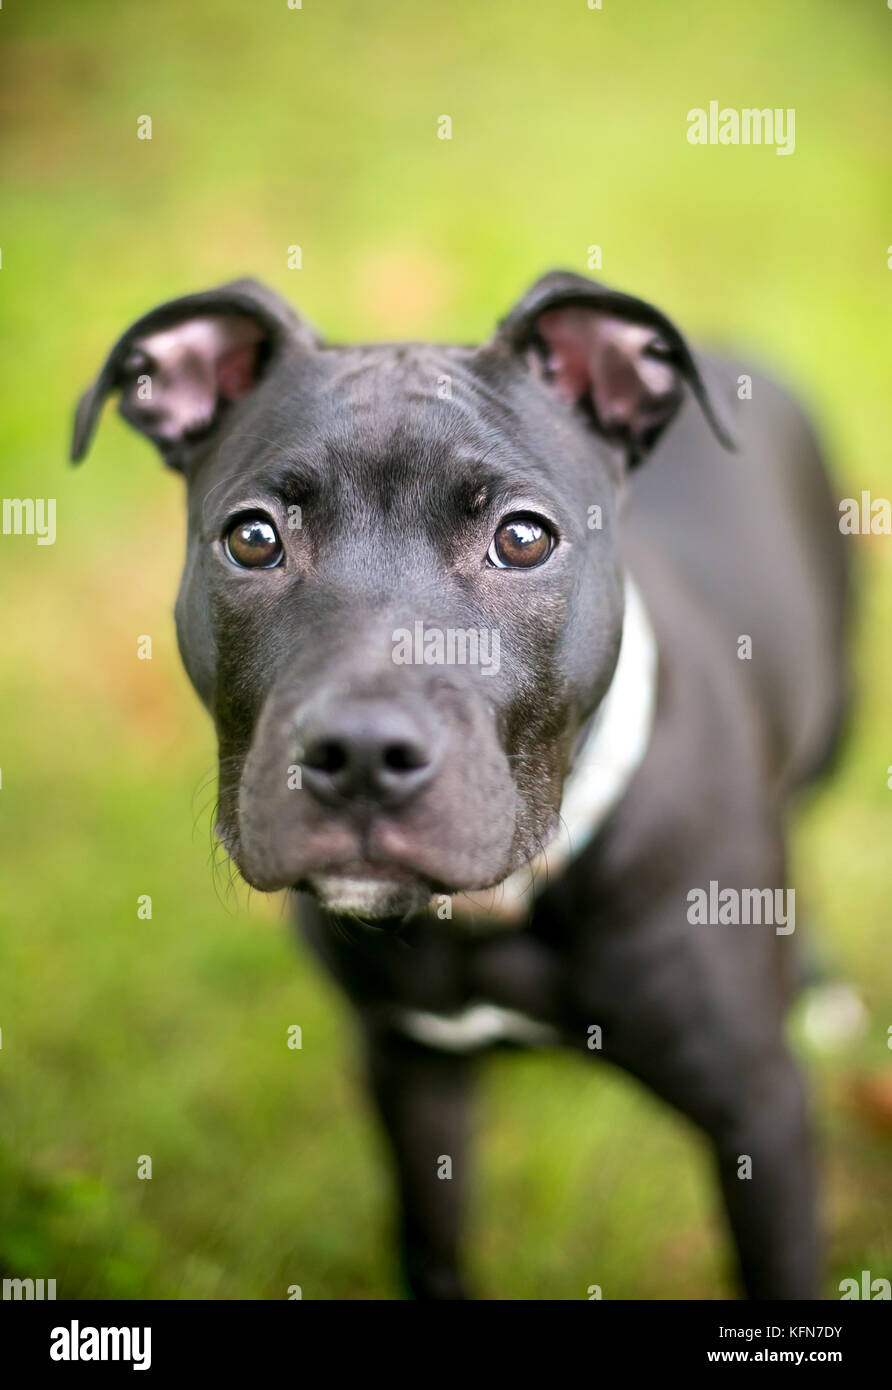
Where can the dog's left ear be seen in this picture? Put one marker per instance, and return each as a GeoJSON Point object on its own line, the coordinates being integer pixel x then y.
{"type": "Point", "coordinates": [614, 356]}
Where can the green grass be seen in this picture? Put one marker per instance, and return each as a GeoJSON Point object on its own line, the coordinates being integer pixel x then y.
{"type": "Point", "coordinates": [123, 1037]}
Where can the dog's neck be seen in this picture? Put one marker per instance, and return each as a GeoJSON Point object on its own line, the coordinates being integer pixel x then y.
{"type": "Point", "coordinates": [613, 747]}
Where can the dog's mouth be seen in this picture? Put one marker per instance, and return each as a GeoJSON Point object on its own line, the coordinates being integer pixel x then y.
{"type": "Point", "coordinates": [370, 890]}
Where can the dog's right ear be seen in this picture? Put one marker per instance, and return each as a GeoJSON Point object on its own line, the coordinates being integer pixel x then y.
{"type": "Point", "coordinates": [182, 366]}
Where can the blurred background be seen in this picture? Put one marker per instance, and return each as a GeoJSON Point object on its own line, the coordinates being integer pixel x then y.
{"type": "Point", "coordinates": [317, 127]}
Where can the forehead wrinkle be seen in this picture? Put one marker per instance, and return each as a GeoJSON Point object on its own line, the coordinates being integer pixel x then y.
{"type": "Point", "coordinates": [287, 475]}
{"type": "Point", "coordinates": [391, 472]}
{"type": "Point", "coordinates": [370, 379]}
{"type": "Point", "coordinates": [408, 369]}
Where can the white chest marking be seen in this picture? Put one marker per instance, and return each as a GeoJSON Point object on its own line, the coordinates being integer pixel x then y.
{"type": "Point", "coordinates": [478, 1025]}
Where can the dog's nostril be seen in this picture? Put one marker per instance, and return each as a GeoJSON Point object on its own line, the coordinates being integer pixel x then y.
{"type": "Point", "coordinates": [326, 756]}
{"type": "Point", "coordinates": [366, 750]}
{"type": "Point", "coordinates": [404, 757]}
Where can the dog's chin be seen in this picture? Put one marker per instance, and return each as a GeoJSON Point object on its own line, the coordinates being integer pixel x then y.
{"type": "Point", "coordinates": [372, 899]}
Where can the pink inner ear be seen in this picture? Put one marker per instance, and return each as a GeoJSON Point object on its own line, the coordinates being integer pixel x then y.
{"type": "Point", "coordinates": [605, 358]}
{"type": "Point", "coordinates": [569, 334]}
{"type": "Point", "coordinates": [236, 372]}
{"type": "Point", "coordinates": [191, 368]}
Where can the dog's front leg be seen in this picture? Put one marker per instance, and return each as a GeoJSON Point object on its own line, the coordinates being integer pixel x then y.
{"type": "Point", "coordinates": [741, 1086]}
{"type": "Point", "coordinates": [422, 1098]}
{"type": "Point", "coordinates": [766, 1170]}
{"type": "Point", "coordinates": [754, 1112]}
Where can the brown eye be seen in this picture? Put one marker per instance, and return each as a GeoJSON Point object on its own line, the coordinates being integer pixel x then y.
{"type": "Point", "coordinates": [520, 543]}
{"type": "Point", "coordinates": [253, 543]}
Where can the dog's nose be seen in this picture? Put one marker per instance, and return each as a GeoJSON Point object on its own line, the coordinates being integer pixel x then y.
{"type": "Point", "coordinates": [366, 749]}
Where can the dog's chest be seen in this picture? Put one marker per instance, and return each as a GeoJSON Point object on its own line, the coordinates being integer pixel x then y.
{"type": "Point", "coordinates": [479, 1025]}
{"type": "Point", "coordinates": [503, 989]}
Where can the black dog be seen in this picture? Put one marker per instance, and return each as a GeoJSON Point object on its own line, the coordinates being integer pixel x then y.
{"type": "Point", "coordinates": [403, 604]}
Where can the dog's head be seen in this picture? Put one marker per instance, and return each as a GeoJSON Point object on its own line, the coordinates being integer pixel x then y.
{"type": "Point", "coordinates": [402, 596]}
